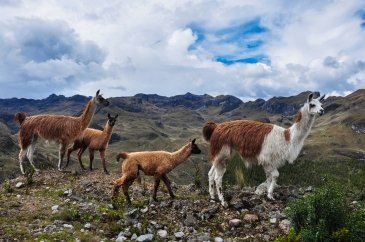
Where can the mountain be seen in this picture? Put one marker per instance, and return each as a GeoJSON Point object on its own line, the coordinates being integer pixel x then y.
{"type": "Point", "coordinates": [151, 122]}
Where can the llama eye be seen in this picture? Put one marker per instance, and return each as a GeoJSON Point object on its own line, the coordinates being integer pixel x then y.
{"type": "Point", "coordinates": [312, 105]}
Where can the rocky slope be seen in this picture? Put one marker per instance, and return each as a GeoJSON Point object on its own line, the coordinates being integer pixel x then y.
{"type": "Point", "coordinates": [64, 206]}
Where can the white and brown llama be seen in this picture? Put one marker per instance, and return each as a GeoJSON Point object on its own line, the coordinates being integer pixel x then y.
{"type": "Point", "coordinates": [93, 139]}
{"type": "Point", "coordinates": [152, 163]}
{"type": "Point", "coordinates": [258, 143]}
{"type": "Point", "coordinates": [61, 129]}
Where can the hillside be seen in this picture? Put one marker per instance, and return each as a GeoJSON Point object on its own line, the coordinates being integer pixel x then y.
{"type": "Point", "coordinates": [150, 122]}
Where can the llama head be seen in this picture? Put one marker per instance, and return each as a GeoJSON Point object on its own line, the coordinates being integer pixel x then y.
{"type": "Point", "coordinates": [112, 120]}
{"type": "Point", "coordinates": [315, 105]}
{"type": "Point", "coordinates": [194, 148]}
{"type": "Point", "coordinates": [99, 100]}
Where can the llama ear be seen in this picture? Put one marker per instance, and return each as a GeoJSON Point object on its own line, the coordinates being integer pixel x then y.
{"type": "Point", "coordinates": [322, 98]}
{"type": "Point", "coordinates": [310, 97]}
{"type": "Point", "coordinates": [193, 141]}
{"type": "Point", "coordinates": [108, 115]}
{"type": "Point", "coordinates": [116, 116]}
{"type": "Point", "coordinates": [97, 93]}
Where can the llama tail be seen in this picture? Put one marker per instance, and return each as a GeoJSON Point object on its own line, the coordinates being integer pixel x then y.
{"type": "Point", "coordinates": [122, 155]}
{"type": "Point", "coordinates": [208, 130]}
{"type": "Point", "coordinates": [19, 117]}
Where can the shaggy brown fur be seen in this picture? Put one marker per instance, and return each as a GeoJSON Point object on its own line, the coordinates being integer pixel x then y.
{"type": "Point", "coordinates": [298, 117]}
{"type": "Point", "coordinates": [59, 128]}
{"type": "Point", "coordinates": [242, 135]}
{"type": "Point", "coordinates": [152, 163]}
{"type": "Point", "coordinates": [93, 139]}
{"type": "Point", "coordinates": [287, 134]}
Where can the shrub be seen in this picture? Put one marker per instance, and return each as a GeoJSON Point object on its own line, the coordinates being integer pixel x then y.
{"type": "Point", "coordinates": [7, 187]}
{"type": "Point", "coordinates": [291, 237]}
{"type": "Point", "coordinates": [356, 225]}
{"type": "Point", "coordinates": [321, 215]}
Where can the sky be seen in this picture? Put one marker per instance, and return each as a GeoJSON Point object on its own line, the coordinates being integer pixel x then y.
{"type": "Point", "coordinates": [249, 49]}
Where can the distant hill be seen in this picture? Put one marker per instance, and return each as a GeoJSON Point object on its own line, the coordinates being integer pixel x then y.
{"type": "Point", "coordinates": [150, 122]}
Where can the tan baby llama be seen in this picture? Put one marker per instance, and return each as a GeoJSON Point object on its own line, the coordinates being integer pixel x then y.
{"type": "Point", "coordinates": [93, 139]}
{"type": "Point", "coordinates": [152, 163]}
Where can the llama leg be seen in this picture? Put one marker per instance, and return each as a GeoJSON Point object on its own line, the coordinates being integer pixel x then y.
{"type": "Point", "coordinates": [69, 151]}
{"type": "Point", "coordinates": [220, 169]}
{"type": "Point", "coordinates": [211, 175]}
{"type": "Point", "coordinates": [102, 157]}
{"type": "Point", "coordinates": [61, 154]}
{"type": "Point", "coordinates": [91, 156]}
{"type": "Point", "coordinates": [157, 183]}
{"type": "Point", "coordinates": [30, 153]}
{"type": "Point", "coordinates": [270, 189]}
{"type": "Point", "coordinates": [79, 155]}
{"type": "Point", "coordinates": [22, 154]}
{"type": "Point", "coordinates": [265, 185]}
{"type": "Point", "coordinates": [167, 182]}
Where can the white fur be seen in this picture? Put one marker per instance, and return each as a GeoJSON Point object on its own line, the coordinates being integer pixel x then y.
{"type": "Point", "coordinates": [274, 153]}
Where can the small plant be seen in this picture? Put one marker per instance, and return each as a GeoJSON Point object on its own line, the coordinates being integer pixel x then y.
{"type": "Point", "coordinates": [7, 187]}
{"type": "Point", "coordinates": [30, 177]}
{"type": "Point", "coordinates": [197, 176]}
{"type": "Point", "coordinates": [356, 225]}
{"type": "Point", "coordinates": [69, 215]}
{"type": "Point", "coordinates": [291, 237]}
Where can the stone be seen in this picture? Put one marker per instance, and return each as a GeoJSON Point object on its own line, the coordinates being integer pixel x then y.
{"type": "Point", "coordinates": [218, 239]}
{"type": "Point", "coordinates": [235, 222]}
{"type": "Point", "coordinates": [179, 235]}
{"type": "Point", "coordinates": [68, 226]}
{"type": "Point", "coordinates": [133, 213]}
{"type": "Point", "coordinates": [190, 220]}
{"type": "Point", "coordinates": [19, 185]}
{"type": "Point", "coordinates": [145, 237]}
{"type": "Point", "coordinates": [250, 218]}
{"type": "Point", "coordinates": [55, 207]}
{"type": "Point", "coordinates": [144, 210]}
{"type": "Point", "coordinates": [87, 226]}
{"type": "Point", "coordinates": [284, 225]}
{"type": "Point", "coordinates": [121, 238]}
{"type": "Point", "coordinates": [49, 228]}
{"type": "Point", "coordinates": [204, 237]}
{"type": "Point", "coordinates": [273, 220]}
{"type": "Point", "coordinates": [134, 237]}
{"type": "Point", "coordinates": [162, 233]}
{"type": "Point", "coordinates": [68, 192]}
{"type": "Point", "coordinates": [309, 189]}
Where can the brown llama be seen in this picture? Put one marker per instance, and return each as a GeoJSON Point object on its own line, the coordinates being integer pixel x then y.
{"type": "Point", "coordinates": [93, 139]}
{"type": "Point", "coordinates": [59, 128]}
{"type": "Point", "coordinates": [152, 163]}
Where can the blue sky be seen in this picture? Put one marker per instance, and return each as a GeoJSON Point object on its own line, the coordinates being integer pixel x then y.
{"type": "Point", "coordinates": [250, 50]}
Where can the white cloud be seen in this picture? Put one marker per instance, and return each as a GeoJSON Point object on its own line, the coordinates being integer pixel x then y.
{"type": "Point", "coordinates": [145, 46]}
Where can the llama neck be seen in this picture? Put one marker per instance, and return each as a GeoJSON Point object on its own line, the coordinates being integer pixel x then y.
{"type": "Point", "coordinates": [107, 132]}
{"type": "Point", "coordinates": [87, 114]}
{"type": "Point", "coordinates": [181, 155]}
{"type": "Point", "coordinates": [302, 126]}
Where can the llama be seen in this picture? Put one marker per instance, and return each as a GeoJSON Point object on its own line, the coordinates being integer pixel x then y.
{"type": "Point", "coordinates": [258, 143]}
{"type": "Point", "coordinates": [152, 163]}
{"type": "Point", "coordinates": [93, 139]}
{"type": "Point", "coordinates": [59, 128]}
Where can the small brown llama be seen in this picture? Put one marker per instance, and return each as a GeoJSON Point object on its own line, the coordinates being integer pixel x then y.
{"type": "Point", "coordinates": [152, 163]}
{"type": "Point", "coordinates": [93, 139]}
{"type": "Point", "coordinates": [62, 129]}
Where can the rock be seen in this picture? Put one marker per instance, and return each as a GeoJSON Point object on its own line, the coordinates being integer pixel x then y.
{"type": "Point", "coordinates": [68, 192]}
{"type": "Point", "coordinates": [68, 226]}
{"type": "Point", "coordinates": [162, 233]}
{"type": "Point", "coordinates": [273, 220]}
{"type": "Point", "coordinates": [134, 237]}
{"type": "Point", "coordinates": [145, 237]}
{"type": "Point", "coordinates": [251, 218]}
{"type": "Point", "coordinates": [133, 213]}
{"type": "Point", "coordinates": [76, 198]}
{"type": "Point", "coordinates": [235, 222]}
{"type": "Point", "coordinates": [309, 189]}
{"type": "Point", "coordinates": [18, 196]}
{"type": "Point", "coordinates": [144, 210]}
{"type": "Point", "coordinates": [55, 208]}
{"type": "Point", "coordinates": [284, 225]}
{"type": "Point", "coordinates": [87, 226]}
{"type": "Point", "coordinates": [179, 235]}
{"type": "Point", "coordinates": [190, 220]}
{"type": "Point", "coordinates": [218, 239]}
{"type": "Point", "coordinates": [204, 237]}
{"type": "Point", "coordinates": [49, 228]}
{"type": "Point", "coordinates": [19, 185]}
{"type": "Point", "coordinates": [121, 238]}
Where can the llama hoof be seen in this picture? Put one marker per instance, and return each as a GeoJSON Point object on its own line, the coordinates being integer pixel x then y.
{"type": "Point", "coordinates": [271, 197]}
{"type": "Point", "coordinates": [106, 172]}
{"type": "Point", "coordinates": [60, 169]}
{"type": "Point", "coordinates": [36, 171]}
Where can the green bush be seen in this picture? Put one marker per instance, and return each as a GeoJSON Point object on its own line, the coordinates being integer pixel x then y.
{"type": "Point", "coordinates": [291, 237]}
{"type": "Point", "coordinates": [356, 225]}
{"type": "Point", "coordinates": [320, 215]}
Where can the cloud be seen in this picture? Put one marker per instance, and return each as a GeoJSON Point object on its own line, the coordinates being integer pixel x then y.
{"type": "Point", "coordinates": [244, 48]}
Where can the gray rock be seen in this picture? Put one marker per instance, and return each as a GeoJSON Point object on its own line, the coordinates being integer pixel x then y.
{"type": "Point", "coordinates": [218, 239]}
{"type": "Point", "coordinates": [145, 237]}
{"type": "Point", "coordinates": [179, 235]}
{"type": "Point", "coordinates": [133, 213]}
{"type": "Point", "coordinates": [162, 233]}
{"type": "Point", "coordinates": [134, 237]}
{"type": "Point", "coordinates": [144, 210]}
{"type": "Point", "coordinates": [284, 225]}
{"type": "Point", "coordinates": [19, 185]}
{"type": "Point", "coordinates": [49, 228]}
{"type": "Point", "coordinates": [190, 220]}
{"type": "Point", "coordinates": [204, 237]}
{"type": "Point", "coordinates": [87, 226]}
{"type": "Point", "coordinates": [121, 239]}
{"type": "Point", "coordinates": [251, 218]}
{"type": "Point", "coordinates": [68, 226]}
{"type": "Point", "coordinates": [273, 220]}
{"type": "Point", "coordinates": [235, 222]}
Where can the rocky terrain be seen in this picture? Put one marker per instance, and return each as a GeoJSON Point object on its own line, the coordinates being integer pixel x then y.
{"type": "Point", "coordinates": [68, 207]}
